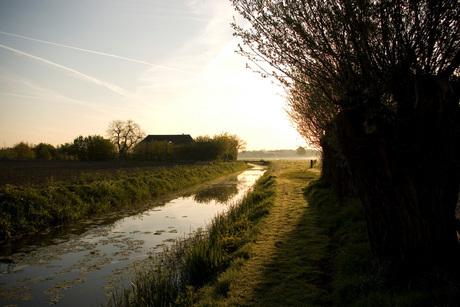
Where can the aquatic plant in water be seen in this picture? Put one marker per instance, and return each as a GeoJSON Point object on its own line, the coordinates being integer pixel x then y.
{"type": "Point", "coordinates": [173, 274]}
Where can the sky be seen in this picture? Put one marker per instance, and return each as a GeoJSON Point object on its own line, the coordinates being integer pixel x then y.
{"type": "Point", "coordinates": [70, 67]}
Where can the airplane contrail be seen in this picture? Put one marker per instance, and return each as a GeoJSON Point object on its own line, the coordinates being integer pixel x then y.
{"type": "Point", "coordinates": [99, 53]}
{"type": "Point", "coordinates": [108, 85]}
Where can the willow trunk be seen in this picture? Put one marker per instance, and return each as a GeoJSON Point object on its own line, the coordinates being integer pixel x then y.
{"type": "Point", "coordinates": [406, 172]}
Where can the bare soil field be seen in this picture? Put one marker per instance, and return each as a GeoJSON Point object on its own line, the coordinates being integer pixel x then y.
{"type": "Point", "coordinates": [34, 172]}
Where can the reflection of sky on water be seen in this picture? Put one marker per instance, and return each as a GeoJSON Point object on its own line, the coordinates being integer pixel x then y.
{"type": "Point", "coordinates": [83, 269]}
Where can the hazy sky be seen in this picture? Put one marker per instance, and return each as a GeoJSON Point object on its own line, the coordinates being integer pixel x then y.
{"type": "Point", "coordinates": [69, 67]}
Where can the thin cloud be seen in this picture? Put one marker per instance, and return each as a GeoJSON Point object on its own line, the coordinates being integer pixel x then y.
{"type": "Point", "coordinates": [44, 94]}
{"type": "Point", "coordinates": [23, 96]}
{"type": "Point", "coordinates": [108, 85]}
{"type": "Point", "coordinates": [99, 53]}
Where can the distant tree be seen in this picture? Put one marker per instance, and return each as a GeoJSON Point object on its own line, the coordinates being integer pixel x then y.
{"type": "Point", "coordinates": [155, 151]}
{"type": "Point", "coordinates": [125, 135]}
{"type": "Point", "coordinates": [229, 145]}
{"type": "Point", "coordinates": [204, 149]}
{"type": "Point", "coordinates": [93, 148]}
{"type": "Point", "coordinates": [80, 148]}
{"type": "Point", "coordinates": [203, 139]}
{"type": "Point", "coordinates": [141, 152]}
{"type": "Point", "coordinates": [220, 147]}
{"type": "Point", "coordinates": [380, 80]}
{"type": "Point", "coordinates": [67, 151]}
{"type": "Point", "coordinates": [99, 149]}
{"type": "Point", "coordinates": [183, 152]}
{"type": "Point", "coordinates": [300, 151]}
{"type": "Point", "coordinates": [23, 151]}
{"type": "Point", "coordinates": [7, 153]}
{"type": "Point", "coordinates": [224, 146]}
{"type": "Point", "coordinates": [45, 152]}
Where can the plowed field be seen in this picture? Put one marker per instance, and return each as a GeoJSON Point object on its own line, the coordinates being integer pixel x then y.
{"type": "Point", "coordinates": [41, 172]}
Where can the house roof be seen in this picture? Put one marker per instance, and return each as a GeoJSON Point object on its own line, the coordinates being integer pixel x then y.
{"type": "Point", "coordinates": [176, 139]}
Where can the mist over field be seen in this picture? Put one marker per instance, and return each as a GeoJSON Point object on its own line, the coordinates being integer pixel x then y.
{"type": "Point", "coordinates": [300, 153]}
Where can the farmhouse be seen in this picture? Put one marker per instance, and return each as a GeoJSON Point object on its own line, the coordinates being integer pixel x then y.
{"type": "Point", "coordinates": [176, 139]}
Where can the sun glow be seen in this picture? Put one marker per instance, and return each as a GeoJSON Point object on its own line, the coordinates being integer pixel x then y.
{"type": "Point", "coordinates": [180, 76]}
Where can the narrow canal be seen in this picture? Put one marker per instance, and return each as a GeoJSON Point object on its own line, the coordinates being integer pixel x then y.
{"type": "Point", "coordinates": [84, 264]}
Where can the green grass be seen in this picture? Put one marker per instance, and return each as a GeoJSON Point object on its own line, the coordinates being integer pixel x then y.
{"type": "Point", "coordinates": [26, 209]}
{"type": "Point", "coordinates": [312, 249]}
{"type": "Point", "coordinates": [282, 263]}
{"type": "Point", "coordinates": [178, 275]}
{"type": "Point", "coordinates": [359, 278]}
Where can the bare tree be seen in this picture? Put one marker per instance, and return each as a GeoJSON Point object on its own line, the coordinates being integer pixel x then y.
{"type": "Point", "coordinates": [125, 135]}
{"type": "Point", "coordinates": [380, 78]}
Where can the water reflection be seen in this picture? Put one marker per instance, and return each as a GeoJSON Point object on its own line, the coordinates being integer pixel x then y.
{"type": "Point", "coordinates": [86, 264]}
{"type": "Point", "coordinates": [221, 193]}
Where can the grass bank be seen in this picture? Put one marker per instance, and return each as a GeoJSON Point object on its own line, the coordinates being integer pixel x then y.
{"type": "Point", "coordinates": [179, 275]}
{"type": "Point", "coordinates": [286, 260]}
{"type": "Point", "coordinates": [312, 250]}
{"type": "Point", "coordinates": [357, 277]}
{"type": "Point", "coordinates": [26, 209]}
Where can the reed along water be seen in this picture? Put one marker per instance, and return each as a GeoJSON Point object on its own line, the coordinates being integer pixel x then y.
{"type": "Point", "coordinates": [83, 264]}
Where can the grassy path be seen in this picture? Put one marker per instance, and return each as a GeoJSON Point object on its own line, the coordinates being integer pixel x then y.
{"type": "Point", "coordinates": [287, 261]}
{"type": "Point", "coordinates": [319, 255]}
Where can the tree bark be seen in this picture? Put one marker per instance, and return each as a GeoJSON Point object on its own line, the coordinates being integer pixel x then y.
{"type": "Point", "coordinates": [406, 171]}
